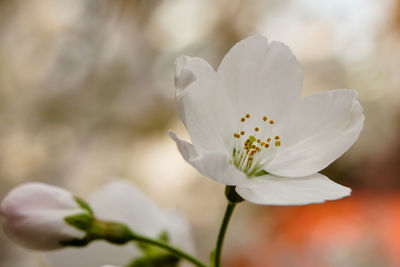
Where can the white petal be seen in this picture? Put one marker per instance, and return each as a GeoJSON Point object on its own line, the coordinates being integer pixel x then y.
{"type": "Point", "coordinates": [274, 190]}
{"type": "Point", "coordinates": [180, 232]}
{"type": "Point", "coordinates": [261, 78]}
{"type": "Point", "coordinates": [318, 131]}
{"type": "Point", "coordinates": [43, 230]}
{"type": "Point", "coordinates": [34, 196]}
{"type": "Point", "coordinates": [122, 201]}
{"type": "Point", "coordinates": [202, 105]}
{"type": "Point", "coordinates": [213, 165]}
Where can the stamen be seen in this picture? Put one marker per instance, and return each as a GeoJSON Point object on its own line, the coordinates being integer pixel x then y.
{"type": "Point", "coordinates": [252, 153]}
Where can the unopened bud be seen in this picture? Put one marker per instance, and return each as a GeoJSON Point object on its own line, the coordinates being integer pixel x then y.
{"type": "Point", "coordinates": [34, 216]}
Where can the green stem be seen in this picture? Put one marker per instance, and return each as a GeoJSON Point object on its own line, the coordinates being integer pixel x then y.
{"type": "Point", "coordinates": [221, 235]}
{"type": "Point", "coordinates": [177, 252]}
{"type": "Point", "coordinates": [117, 233]}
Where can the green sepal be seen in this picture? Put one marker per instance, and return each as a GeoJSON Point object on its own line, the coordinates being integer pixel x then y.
{"type": "Point", "coordinates": [113, 232]}
{"type": "Point", "coordinates": [260, 173]}
{"type": "Point", "coordinates": [231, 194]}
{"type": "Point", "coordinates": [81, 221]}
{"type": "Point", "coordinates": [83, 204]}
{"type": "Point", "coordinates": [76, 242]}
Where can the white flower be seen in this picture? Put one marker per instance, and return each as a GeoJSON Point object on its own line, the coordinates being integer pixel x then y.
{"type": "Point", "coordinates": [121, 201]}
{"type": "Point", "coordinates": [250, 129]}
{"type": "Point", "coordinates": [34, 216]}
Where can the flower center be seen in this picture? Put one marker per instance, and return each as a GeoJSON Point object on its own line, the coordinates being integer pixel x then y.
{"type": "Point", "coordinates": [253, 149]}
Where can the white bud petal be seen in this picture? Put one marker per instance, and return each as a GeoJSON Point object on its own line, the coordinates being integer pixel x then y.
{"type": "Point", "coordinates": [34, 216]}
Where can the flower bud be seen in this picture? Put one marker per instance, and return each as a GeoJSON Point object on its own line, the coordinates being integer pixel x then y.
{"type": "Point", "coordinates": [35, 216]}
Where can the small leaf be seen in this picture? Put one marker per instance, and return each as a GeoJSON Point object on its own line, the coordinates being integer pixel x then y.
{"type": "Point", "coordinates": [164, 236]}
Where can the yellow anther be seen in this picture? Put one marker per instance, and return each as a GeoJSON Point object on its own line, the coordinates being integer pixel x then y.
{"type": "Point", "coordinates": [271, 122]}
{"type": "Point", "coordinates": [268, 139]}
{"type": "Point", "coordinates": [258, 141]}
{"type": "Point", "coordinates": [266, 145]}
{"type": "Point", "coordinates": [276, 137]}
{"type": "Point", "coordinates": [277, 143]}
{"type": "Point", "coordinates": [242, 132]}
{"type": "Point", "coordinates": [265, 118]}
{"type": "Point", "coordinates": [242, 119]}
{"type": "Point", "coordinates": [262, 143]}
{"type": "Point", "coordinates": [247, 115]}
{"type": "Point", "coordinates": [253, 146]}
{"type": "Point", "coordinates": [256, 129]}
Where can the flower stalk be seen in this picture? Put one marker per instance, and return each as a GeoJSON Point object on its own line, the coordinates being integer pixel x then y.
{"type": "Point", "coordinates": [221, 235]}
{"type": "Point", "coordinates": [233, 199]}
{"type": "Point", "coordinates": [118, 233]}
{"type": "Point", "coordinates": [175, 251]}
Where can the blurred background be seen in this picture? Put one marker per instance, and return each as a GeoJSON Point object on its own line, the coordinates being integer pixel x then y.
{"type": "Point", "coordinates": [86, 94]}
